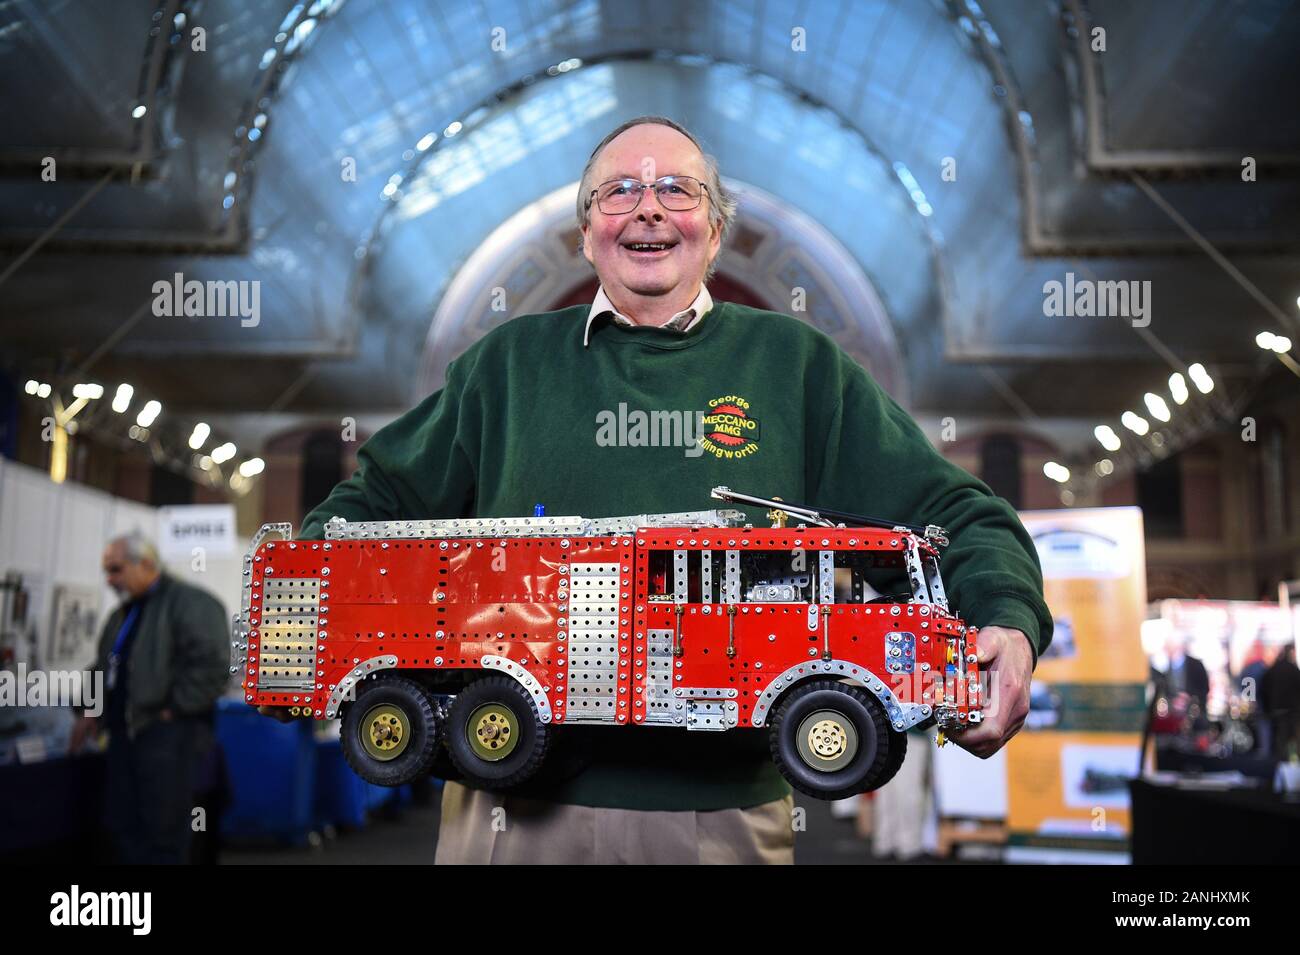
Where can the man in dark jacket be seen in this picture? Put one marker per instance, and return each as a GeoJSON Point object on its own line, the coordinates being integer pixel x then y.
{"type": "Point", "coordinates": [165, 658]}
{"type": "Point", "coordinates": [1279, 698]}
{"type": "Point", "coordinates": [1184, 675]}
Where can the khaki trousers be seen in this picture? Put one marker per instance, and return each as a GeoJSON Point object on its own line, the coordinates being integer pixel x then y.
{"type": "Point", "coordinates": [480, 827]}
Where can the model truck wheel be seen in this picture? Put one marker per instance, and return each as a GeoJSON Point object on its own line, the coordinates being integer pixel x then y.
{"type": "Point", "coordinates": [441, 767]}
{"type": "Point", "coordinates": [831, 740]}
{"type": "Point", "coordinates": [390, 733]}
{"type": "Point", "coordinates": [897, 753]}
{"type": "Point", "coordinates": [494, 733]}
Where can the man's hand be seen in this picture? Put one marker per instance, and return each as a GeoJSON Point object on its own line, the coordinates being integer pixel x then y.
{"type": "Point", "coordinates": [83, 729]}
{"type": "Point", "coordinates": [1006, 655]}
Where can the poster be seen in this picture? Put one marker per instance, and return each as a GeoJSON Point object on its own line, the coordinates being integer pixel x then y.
{"type": "Point", "coordinates": [74, 627]}
{"type": "Point", "coordinates": [1067, 771]}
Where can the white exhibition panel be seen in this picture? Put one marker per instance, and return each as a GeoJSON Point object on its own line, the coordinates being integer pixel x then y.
{"type": "Point", "coordinates": [54, 535]}
{"type": "Point", "coordinates": [969, 787]}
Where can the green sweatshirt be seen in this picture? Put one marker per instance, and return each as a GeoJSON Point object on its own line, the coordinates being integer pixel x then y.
{"type": "Point", "coordinates": [529, 415]}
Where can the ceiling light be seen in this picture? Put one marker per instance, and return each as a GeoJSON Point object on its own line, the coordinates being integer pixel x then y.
{"type": "Point", "coordinates": [251, 467]}
{"type": "Point", "coordinates": [1178, 387]}
{"type": "Point", "coordinates": [122, 399]}
{"type": "Point", "coordinates": [223, 454]}
{"type": "Point", "coordinates": [1156, 405]}
{"type": "Point", "coordinates": [1057, 472]}
{"type": "Point", "coordinates": [148, 413]}
{"type": "Point", "coordinates": [199, 435]}
{"type": "Point", "coordinates": [1135, 423]}
{"type": "Point", "coordinates": [88, 391]}
{"type": "Point", "coordinates": [1201, 378]}
{"type": "Point", "coordinates": [1107, 436]}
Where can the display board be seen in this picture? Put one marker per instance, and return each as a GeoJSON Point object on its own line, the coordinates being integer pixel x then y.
{"type": "Point", "coordinates": [1067, 771]}
{"type": "Point", "coordinates": [53, 537]}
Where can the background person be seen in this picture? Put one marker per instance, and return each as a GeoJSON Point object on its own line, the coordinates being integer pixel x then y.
{"type": "Point", "coordinates": [165, 656]}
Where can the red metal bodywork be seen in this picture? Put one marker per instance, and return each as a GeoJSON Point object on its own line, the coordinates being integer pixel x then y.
{"type": "Point", "coordinates": [440, 604]}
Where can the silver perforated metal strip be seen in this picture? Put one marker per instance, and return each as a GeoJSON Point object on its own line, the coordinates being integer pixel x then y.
{"type": "Point", "coordinates": [731, 579]}
{"type": "Point", "coordinates": [681, 574]}
{"type": "Point", "coordinates": [658, 699]}
{"type": "Point", "coordinates": [345, 690]}
{"type": "Point", "coordinates": [592, 695]}
{"type": "Point", "coordinates": [935, 581]}
{"type": "Point", "coordinates": [570, 526]}
{"type": "Point", "coordinates": [286, 656]}
{"type": "Point", "coordinates": [901, 715]}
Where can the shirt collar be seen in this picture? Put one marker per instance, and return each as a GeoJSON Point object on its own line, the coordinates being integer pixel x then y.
{"type": "Point", "coordinates": [697, 309]}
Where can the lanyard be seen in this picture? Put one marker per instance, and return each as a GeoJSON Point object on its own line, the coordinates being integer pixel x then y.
{"type": "Point", "coordinates": [115, 655]}
{"type": "Point", "coordinates": [125, 629]}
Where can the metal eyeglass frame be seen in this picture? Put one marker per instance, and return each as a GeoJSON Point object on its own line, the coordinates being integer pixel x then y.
{"type": "Point", "coordinates": [594, 197]}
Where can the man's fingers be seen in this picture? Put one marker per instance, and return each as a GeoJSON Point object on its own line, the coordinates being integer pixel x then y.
{"type": "Point", "coordinates": [986, 733]}
{"type": "Point", "coordinates": [988, 646]}
{"type": "Point", "coordinates": [984, 740]}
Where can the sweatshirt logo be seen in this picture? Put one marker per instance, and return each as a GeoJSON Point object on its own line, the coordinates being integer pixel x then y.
{"type": "Point", "coordinates": [730, 428]}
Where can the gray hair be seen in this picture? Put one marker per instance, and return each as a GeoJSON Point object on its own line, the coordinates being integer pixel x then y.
{"type": "Point", "coordinates": [137, 547]}
{"type": "Point", "coordinates": [722, 204]}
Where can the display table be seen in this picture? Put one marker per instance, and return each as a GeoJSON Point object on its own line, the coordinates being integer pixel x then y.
{"type": "Point", "coordinates": [286, 783]}
{"type": "Point", "coordinates": [283, 784]}
{"type": "Point", "coordinates": [1174, 825]}
{"type": "Point", "coordinates": [52, 809]}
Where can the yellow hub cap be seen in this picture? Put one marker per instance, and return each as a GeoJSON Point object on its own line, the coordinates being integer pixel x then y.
{"type": "Point", "coordinates": [493, 731]}
{"type": "Point", "coordinates": [385, 731]}
{"type": "Point", "coordinates": [827, 740]}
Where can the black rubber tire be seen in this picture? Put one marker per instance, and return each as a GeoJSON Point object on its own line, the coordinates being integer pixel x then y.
{"type": "Point", "coordinates": [442, 767]}
{"type": "Point", "coordinates": [897, 753]}
{"type": "Point", "coordinates": [529, 751]}
{"type": "Point", "coordinates": [414, 702]}
{"type": "Point", "coordinates": [868, 769]}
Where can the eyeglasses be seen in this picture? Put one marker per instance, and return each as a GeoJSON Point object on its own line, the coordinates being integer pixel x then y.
{"type": "Point", "coordinates": [676, 193]}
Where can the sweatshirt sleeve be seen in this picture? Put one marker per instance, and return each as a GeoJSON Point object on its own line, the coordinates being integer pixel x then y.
{"type": "Point", "coordinates": [877, 461]}
{"type": "Point", "coordinates": [420, 466]}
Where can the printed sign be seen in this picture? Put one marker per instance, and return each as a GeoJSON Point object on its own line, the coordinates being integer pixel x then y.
{"type": "Point", "coordinates": [210, 526]}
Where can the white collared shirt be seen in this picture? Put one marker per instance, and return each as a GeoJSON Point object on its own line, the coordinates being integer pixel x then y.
{"type": "Point", "coordinates": [680, 322]}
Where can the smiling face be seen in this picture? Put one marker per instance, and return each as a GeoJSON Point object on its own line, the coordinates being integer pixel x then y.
{"type": "Point", "coordinates": [639, 282]}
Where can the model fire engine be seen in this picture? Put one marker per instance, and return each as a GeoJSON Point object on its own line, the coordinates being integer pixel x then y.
{"type": "Point", "coordinates": [475, 642]}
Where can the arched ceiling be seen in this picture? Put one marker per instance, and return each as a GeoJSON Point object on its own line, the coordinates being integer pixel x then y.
{"type": "Point", "coordinates": [456, 116]}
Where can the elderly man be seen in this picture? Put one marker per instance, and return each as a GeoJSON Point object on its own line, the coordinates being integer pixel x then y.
{"type": "Point", "coordinates": [165, 653]}
{"type": "Point", "coordinates": [526, 416]}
